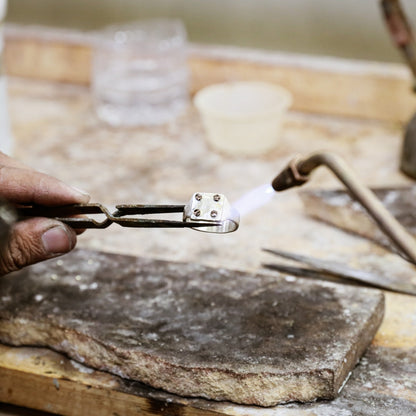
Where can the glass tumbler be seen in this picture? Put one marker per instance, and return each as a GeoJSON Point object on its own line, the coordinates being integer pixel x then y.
{"type": "Point", "coordinates": [140, 73]}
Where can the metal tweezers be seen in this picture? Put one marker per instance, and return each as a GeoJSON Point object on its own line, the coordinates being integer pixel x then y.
{"type": "Point", "coordinates": [205, 212]}
{"type": "Point", "coordinates": [331, 270]}
{"type": "Point", "coordinates": [74, 215]}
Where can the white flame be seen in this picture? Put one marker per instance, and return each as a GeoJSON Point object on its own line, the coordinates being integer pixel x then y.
{"type": "Point", "coordinates": [254, 199]}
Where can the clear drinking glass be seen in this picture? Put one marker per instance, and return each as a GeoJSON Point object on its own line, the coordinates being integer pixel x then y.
{"type": "Point", "coordinates": [140, 74]}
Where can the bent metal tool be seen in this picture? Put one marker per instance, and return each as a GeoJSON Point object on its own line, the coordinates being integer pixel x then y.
{"type": "Point", "coordinates": [209, 212]}
{"type": "Point", "coordinates": [298, 172]}
{"type": "Point", "coordinates": [401, 33]}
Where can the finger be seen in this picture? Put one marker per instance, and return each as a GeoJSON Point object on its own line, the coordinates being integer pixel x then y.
{"type": "Point", "coordinates": [11, 162]}
{"type": "Point", "coordinates": [35, 240]}
{"type": "Point", "coordinates": [30, 187]}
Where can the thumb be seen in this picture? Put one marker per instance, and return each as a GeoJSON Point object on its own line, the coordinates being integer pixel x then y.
{"type": "Point", "coordinates": [34, 240]}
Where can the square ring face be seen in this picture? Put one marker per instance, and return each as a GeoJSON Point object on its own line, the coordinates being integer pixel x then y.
{"type": "Point", "coordinates": [212, 209]}
{"type": "Point", "coordinates": [207, 207]}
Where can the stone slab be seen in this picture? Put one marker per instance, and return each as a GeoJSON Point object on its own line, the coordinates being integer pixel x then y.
{"type": "Point", "coordinates": [193, 330]}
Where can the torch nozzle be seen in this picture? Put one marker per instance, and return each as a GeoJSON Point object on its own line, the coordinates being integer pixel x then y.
{"type": "Point", "coordinates": [297, 173]}
{"type": "Point", "coordinates": [289, 177]}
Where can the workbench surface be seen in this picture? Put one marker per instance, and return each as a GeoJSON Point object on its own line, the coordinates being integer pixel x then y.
{"type": "Point", "coordinates": [57, 132]}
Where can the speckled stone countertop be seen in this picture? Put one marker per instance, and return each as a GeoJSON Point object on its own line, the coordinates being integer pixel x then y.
{"type": "Point", "coordinates": [56, 131]}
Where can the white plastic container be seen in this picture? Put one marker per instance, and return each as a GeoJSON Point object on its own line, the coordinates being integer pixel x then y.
{"type": "Point", "coordinates": [6, 142]}
{"type": "Point", "coordinates": [243, 118]}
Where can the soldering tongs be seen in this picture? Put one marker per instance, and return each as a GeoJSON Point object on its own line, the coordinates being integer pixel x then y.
{"type": "Point", "coordinates": [209, 212]}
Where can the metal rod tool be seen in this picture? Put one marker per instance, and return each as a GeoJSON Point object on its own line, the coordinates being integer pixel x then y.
{"type": "Point", "coordinates": [401, 31]}
{"type": "Point", "coordinates": [319, 268]}
{"type": "Point", "coordinates": [403, 37]}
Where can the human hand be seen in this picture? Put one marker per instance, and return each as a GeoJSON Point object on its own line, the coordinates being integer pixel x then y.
{"type": "Point", "coordinates": [35, 239]}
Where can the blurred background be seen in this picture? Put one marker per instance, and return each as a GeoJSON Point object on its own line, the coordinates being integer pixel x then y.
{"type": "Point", "coordinates": [349, 29]}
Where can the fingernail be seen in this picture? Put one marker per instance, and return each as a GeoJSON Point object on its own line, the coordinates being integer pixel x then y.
{"type": "Point", "coordinates": [56, 240]}
{"type": "Point", "coordinates": [84, 195]}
